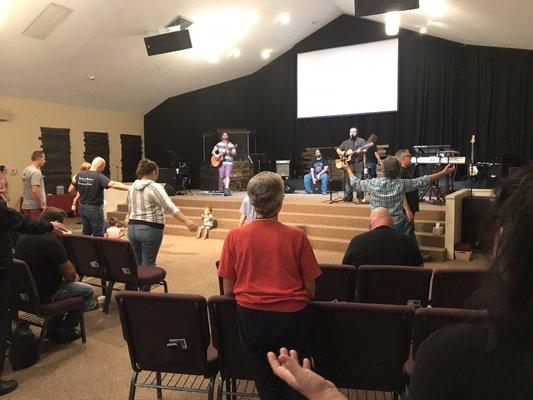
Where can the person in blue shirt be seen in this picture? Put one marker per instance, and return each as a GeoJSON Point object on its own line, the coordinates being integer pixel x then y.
{"type": "Point", "coordinates": [318, 172]}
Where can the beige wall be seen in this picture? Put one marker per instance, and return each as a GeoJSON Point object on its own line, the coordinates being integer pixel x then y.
{"type": "Point", "coordinates": [20, 135]}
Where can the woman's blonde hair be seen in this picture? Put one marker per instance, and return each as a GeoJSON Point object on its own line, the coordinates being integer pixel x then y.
{"type": "Point", "coordinates": [265, 191]}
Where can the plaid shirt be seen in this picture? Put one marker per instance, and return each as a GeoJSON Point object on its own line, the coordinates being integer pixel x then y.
{"type": "Point", "coordinates": [150, 203]}
{"type": "Point", "coordinates": [389, 193]}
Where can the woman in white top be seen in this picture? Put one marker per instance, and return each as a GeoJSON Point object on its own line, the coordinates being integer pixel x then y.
{"type": "Point", "coordinates": [147, 203]}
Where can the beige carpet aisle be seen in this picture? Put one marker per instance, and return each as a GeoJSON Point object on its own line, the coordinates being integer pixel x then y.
{"type": "Point", "coordinates": [100, 369]}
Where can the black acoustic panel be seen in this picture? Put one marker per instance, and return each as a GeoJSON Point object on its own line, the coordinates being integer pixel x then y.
{"type": "Point", "coordinates": [167, 42]}
{"type": "Point", "coordinates": [57, 171]}
{"type": "Point", "coordinates": [372, 7]}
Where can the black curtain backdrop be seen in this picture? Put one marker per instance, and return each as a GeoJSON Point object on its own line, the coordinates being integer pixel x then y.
{"type": "Point", "coordinates": [447, 91]}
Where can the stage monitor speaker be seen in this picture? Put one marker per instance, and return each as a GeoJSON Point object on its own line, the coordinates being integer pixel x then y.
{"type": "Point", "coordinates": [364, 8]}
{"type": "Point", "coordinates": [167, 42]}
{"type": "Point", "coordinates": [167, 176]}
{"type": "Point", "coordinates": [171, 191]}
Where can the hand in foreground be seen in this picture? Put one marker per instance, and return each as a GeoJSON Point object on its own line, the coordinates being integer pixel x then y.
{"type": "Point", "coordinates": [59, 228]}
{"type": "Point", "coordinates": [301, 378]}
{"type": "Point", "coordinates": [191, 225]}
{"type": "Point", "coordinates": [448, 169]}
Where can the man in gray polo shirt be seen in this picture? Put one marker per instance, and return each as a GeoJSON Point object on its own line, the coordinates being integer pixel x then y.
{"type": "Point", "coordinates": [33, 191]}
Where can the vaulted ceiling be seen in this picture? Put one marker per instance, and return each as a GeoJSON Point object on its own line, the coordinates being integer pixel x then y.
{"type": "Point", "coordinates": [104, 39]}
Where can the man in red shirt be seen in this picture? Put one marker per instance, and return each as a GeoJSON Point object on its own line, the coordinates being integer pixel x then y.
{"type": "Point", "coordinates": [271, 269]}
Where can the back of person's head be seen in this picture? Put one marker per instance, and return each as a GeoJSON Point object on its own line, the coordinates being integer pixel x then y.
{"type": "Point", "coordinates": [401, 153]}
{"type": "Point", "coordinates": [120, 224]}
{"type": "Point", "coordinates": [266, 193]}
{"type": "Point", "coordinates": [145, 167]}
{"type": "Point", "coordinates": [112, 221]}
{"type": "Point", "coordinates": [372, 138]}
{"type": "Point", "coordinates": [380, 216]}
{"type": "Point", "coordinates": [2, 169]}
{"type": "Point", "coordinates": [391, 167]}
{"type": "Point", "coordinates": [53, 214]}
{"type": "Point", "coordinates": [508, 286]}
{"type": "Point", "coordinates": [85, 166]}
{"type": "Point", "coordinates": [36, 155]}
{"type": "Point", "coordinates": [98, 164]}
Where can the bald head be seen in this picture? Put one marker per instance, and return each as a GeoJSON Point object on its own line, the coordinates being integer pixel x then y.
{"type": "Point", "coordinates": [98, 164]}
{"type": "Point", "coordinates": [380, 217]}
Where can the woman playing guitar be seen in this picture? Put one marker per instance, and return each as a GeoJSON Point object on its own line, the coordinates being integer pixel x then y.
{"type": "Point", "coordinates": [222, 157]}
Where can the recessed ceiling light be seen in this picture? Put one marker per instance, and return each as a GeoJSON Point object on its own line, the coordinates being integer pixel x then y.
{"type": "Point", "coordinates": [266, 53]}
{"type": "Point", "coordinates": [91, 77]}
{"type": "Point", "coordinates": [235, 53]}
{"type": "Point", "coordinates": [423, 30]}
{"type": "Point", "coordinates": [284, 18]}
{"type": "Point", "coordinates": [392, 23]}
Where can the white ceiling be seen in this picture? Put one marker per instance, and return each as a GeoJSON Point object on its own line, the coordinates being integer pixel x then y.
{"type": "Point", "coordinates": [104, 38]}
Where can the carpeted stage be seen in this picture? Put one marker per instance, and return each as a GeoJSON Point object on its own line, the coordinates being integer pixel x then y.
{"type": "Point", "coordinates": [328, 226]}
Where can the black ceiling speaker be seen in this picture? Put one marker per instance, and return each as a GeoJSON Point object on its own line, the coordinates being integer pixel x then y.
{"type": "Point", "coordinates": [371, 7]}
{"type": "Point", "coordinates": [168, 42]}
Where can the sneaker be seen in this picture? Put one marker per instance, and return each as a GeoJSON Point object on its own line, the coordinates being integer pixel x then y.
{"type": "Point", "coordinates": [227, 192]}
{"type": "Point", "coordinates": [348, 199]}
{"type": "Point", "coordinates": [7, 386]}
{"type": "Point", "coordinates": [325, 193]}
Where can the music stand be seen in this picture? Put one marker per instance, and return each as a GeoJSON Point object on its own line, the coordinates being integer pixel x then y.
{"type": "Point", "coordinates": [330, 153]}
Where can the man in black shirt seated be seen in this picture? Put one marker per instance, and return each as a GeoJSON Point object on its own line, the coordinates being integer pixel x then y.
{"type": "Point", "coordinates": [318, 171]}
{"type": "Point", "coordinates": [54, 275]}
{"type": "Point", "coordinates": [382, 245]}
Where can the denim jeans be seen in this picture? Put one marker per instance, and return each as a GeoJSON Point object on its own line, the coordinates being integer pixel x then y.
{"type": "Point", "coordinates": [146, 242]}
{"type": "Point", "coordinates": [308, 183]}
{"type": "Point", "coordinates": [348, 189]}
{"type": "Point", "coordinates": [400, 226]}
{"type": "Point", "coordinates": [371, 169]}
{"type": "Point", "coordinates": [92, 218]}
{"type": "Point", "coordinates": [68, 290]}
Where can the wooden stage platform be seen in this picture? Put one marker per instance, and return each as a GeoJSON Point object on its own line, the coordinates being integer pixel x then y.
{"type": "Point", "coordinates": [328, 226]}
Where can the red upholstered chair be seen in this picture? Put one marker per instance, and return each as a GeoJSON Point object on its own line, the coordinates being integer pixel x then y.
{"type": "Point", "coordinates": [84, 252]}
{"type": "Point", "coordinates": [225, 334]}
{"type": "Point", "coordinates": [362, 346]}
{"type": "Point", "coordinates": [451, 287]}
{"type": "Point", "coordinates": [120, 264]}
{"type": "Point", "coordinates": [387, 284]}
{"type": "Point", "coordinates": [337, 282]}
{"type": "Point", "coordinates": [25, 297]}
{"type": "Point", "coordinates": [168, 337]}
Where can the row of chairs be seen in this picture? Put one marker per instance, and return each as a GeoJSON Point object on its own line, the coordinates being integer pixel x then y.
{"type": "Point", "coordinates": [110, 261]}
{"type": "Point", "coordinates": [357, 346]}
{"type": "Point", "coordinates": [387, 284]}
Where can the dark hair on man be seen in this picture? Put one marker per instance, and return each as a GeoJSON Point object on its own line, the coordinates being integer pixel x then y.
{"type": "Point", "coordinates": [373, 138]}
{"type": "Point", "coordinates": [391, 167]}
{"type": "Point", "coordinates": [508, 285]}
{"type": "Point", "coordinates": [145, 167]}
{"type": "Point", "coordinates": [2, 168]}
{"type": "Point", "coordinates": [36, 155]}
{"type": "Point", "coordinates": [53, 214]}
{"type": "Point", "coordinates": [112, 221]}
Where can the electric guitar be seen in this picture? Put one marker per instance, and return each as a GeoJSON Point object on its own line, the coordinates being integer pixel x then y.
{"type": "Point", "coordinates": [218, 159]}
{"type": "Point", "coordinates": [349, 154]}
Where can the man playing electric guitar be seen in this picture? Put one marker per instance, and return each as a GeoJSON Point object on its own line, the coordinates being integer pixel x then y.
{"type": "Point", "coordinates": [224, 151]}
{"type": "Point", "coordinates": [352, 146]}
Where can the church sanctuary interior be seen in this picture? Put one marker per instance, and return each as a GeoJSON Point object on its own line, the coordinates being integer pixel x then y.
{"type": "Point", "coordinates": [269, 199]}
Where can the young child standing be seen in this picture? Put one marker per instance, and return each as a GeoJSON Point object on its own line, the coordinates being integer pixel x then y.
{"type": "Point", "coordinates": [207, 223]}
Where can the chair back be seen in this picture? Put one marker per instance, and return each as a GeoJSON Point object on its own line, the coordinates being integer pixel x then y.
{"type": "Point", "coordinates": [337, 282]}
{"type": "Point", "coordinates": [430, 320]}
{"type": "Point", "coordinates": [84, 253]}
{"type": "Point", "coordinates": [23, 294]}
{"type": "Point", "coordinates": [388, 284]}
{"type": "Point", "coordinates": [119, 260]}
{"type": "Point", "coordinates": [362, 346]}
{"type": "Point", "coordinates": [451, 287]}
{"type": "Point", "coordinates": [165, 332]}
{"type": "Point", "coordinates": [225, 334]}
{"type": "Point", "coordinates": [220, 280]}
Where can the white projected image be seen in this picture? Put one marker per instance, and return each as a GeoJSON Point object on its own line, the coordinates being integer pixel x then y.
{"type": "Point", "coordinates": [347, 80]}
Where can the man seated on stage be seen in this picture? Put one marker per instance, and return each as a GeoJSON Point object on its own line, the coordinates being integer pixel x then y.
{"type": "Point", "coordinates": [228, 150]}
{"type": "Point", "coordinates": [54, 275]}
{"type": "Point", "coordinates": [367, 248]}
{"type": "Point", "coordinates": [318, 172]}
{"type": "Point", "coordinates": [389, 191]}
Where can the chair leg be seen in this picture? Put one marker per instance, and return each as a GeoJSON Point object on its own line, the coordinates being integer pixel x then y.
{"type": "Point", "coordinates": [104, 286]}
{"type": "Point", "coordinates": [234, 388]}
{"type": "Point", "coordinates": [132, 386]}
{"type": "Point", "coordinates": [211, 387]}
{"type": "Point", "coordinates": [44, 330]}
{"type": "Point", "coordinates": [109, 292]}
{"type": "Point", "coordinates": [165, 286]}
{"type": "Point", "coordinates": [82, 326]}
{"type": "Point", "coordinates": [158, 380]}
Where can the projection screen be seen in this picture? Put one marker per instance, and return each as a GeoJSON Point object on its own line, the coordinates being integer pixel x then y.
{"type": "Point", "coordinates": [357, 79]}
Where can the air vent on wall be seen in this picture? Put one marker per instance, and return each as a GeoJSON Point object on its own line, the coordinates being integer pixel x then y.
{"type": "Point", "coordinates": [48, 20]}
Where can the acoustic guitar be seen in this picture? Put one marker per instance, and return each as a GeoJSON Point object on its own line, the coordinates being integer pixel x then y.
{"type": "Point", "coordinates": [218, 159]}
{"type": "Point", "coordinates": [349, 154]}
